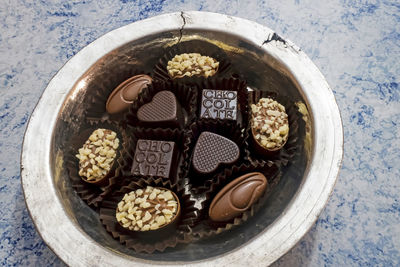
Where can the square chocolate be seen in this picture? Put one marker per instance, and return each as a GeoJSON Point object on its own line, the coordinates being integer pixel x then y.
{"type": "Point", "coordinates": [218, 104]}
{"type": "Point", "coordinates": [153, 158]}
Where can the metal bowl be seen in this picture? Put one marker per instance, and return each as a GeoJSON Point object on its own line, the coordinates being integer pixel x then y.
{"type": "Point", "coordinates": [73, 231]}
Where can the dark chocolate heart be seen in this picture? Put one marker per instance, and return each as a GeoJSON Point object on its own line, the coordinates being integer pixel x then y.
{"type": "Point", "coordinates": [162, 108]}
{"type": "Point", "coordinates": [211, 150]}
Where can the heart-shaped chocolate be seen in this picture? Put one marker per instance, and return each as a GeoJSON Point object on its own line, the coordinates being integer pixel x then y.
{"type": "Point", "coordinates": [163, 111]}
{"type": "Point", "coordinates": [211, 150]}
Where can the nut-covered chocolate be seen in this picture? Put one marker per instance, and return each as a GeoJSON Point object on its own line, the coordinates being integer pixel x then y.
{"type": "Point", "coordinates": [97, 155]}
{"type": "Point", "coordinates": [211, 150]}
{"type": "Point", "coordinates": [218, 104]}
{"type": "Point", "coordinates": [153, 158]}
{"type": "Point", "coordinates": [163, 111]}
{"type": "Point", "coordinates": [269, 124]}
{"type": "Point", "coordinates": [147, 209]}
{"type": "Point", "coordinates": [191, 64]}
{"type": "Point", "coordinates": [123, 96]}
{"type": "Point", "coordinates": [237, 197]}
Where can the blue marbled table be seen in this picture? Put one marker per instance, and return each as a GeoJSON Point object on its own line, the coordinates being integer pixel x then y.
{"type": "Point", "coordinates": [356, 45]}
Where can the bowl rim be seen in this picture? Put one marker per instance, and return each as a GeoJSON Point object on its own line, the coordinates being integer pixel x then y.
{"type": "Point", "coordinates": [73, 245]}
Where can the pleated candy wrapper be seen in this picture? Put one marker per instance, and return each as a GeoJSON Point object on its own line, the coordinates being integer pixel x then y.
{"type": "Point", "coordinates": [207, 227]}
{"type": "Point", "coordinates": [95, 103]}
{"type": "Point", "coordinates": [204, 48]}
{"type": "Point", "coordinates": [150, 241]}
{"type": "Point", "coordinates": [169, 135]}
{"type": "Point", "coordinates": [90, 193]}
{"type": "Point", "coordinates": [185, 95]}
{"type": "Point", "coordinates": [227, 129]}
{"type": "Point", "coordinates": [283, 156]}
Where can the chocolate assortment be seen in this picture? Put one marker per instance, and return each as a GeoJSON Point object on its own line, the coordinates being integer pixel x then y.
{"type": "Point", "coordinates": [187, 125]}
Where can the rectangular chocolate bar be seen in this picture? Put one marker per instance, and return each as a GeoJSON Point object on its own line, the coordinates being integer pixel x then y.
{"type": "Point", "coordinates": [218, 104]}
{"type": "Point", "coordinates": [153, 158]}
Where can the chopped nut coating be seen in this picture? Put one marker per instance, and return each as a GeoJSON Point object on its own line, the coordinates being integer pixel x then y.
{"type": "Point", "coordinates": [97, 154]}
{"type": "Point", "coordinates": [269, 123]}
{"type": "Point", "coordinates": [144, 210]}
{"type": "Point", "coordinates": [192, 64]}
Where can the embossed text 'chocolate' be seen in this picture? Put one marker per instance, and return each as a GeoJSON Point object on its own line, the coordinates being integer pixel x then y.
{"type": "Point", "coordinates": [153, 158]}
{"type": "Point", "coordinates": [219, 104]}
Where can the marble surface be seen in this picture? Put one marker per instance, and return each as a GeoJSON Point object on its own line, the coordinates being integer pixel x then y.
{"type": "Point", "coordinates": [356, 45]}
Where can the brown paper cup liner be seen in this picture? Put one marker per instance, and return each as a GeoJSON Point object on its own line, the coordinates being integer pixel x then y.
{"type": "Point", "coordinates": [283, 156]}
{"type": "Point", "coordinates": [150, 241]}
{"type": "Point", "coordinates": [230, 84]}
{"type": "Point", "coordinates": [206, 227]}
{"type": "Point", "coordinates": [228, 129]}
{"type": "Point", "coordinates": [96, 102]}
{"type": "Point", "coordinates": [185, 95]}
{"type": "Point", "coordinates": [91, 193]}
{"type": "Point", "coordinates": [205, 49]}
{"type": "Point", "coordinates": [127, 154]}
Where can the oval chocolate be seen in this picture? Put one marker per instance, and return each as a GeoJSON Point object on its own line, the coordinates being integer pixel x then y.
{"type": "Point", "coordinates": [123, 96]}
{"type": "Point", "coordinates": [237, 196]}
{"type": "Point", "coordinates": [269, 125]}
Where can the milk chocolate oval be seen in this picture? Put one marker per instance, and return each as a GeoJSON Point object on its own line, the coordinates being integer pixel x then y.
{"type": "Point", "coordinates": [123, 96]}
{"type": "Point", "coordinates": [237, 196]}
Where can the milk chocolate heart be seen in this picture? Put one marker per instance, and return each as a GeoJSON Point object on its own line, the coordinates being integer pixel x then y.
{"type": "Point", "coordinates": [163, 111]}
{"type": "Point", "coordinates": [237, 196]}
{"type": "Point", "coordinates": [211, 150]}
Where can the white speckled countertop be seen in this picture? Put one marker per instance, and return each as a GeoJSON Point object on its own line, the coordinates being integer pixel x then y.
{"type": "Point", "coordinates": [356, 45]}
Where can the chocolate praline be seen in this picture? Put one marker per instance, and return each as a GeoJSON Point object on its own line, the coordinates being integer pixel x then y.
{"type": "Point", "coordinates": [212, 150]}
{"type": "Point", "coordinates": [148, 209]}
{"type": "Point", "coordinates": [164, 110]}
{"type": "Point", "coordinates": [237, 196]}
{"type": "Point", "coordinates": [218, 104]}
{"type": "Point", "coordinates": [192, 64]}
{"type": "Point", "coordinates": [269, 126]}
{"type": "Point", "coordinates": [123, 96]}
{"type": "Point", "coordinates": [154, 158]}
{"type": "Point", "coordinates": [97, 156]}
